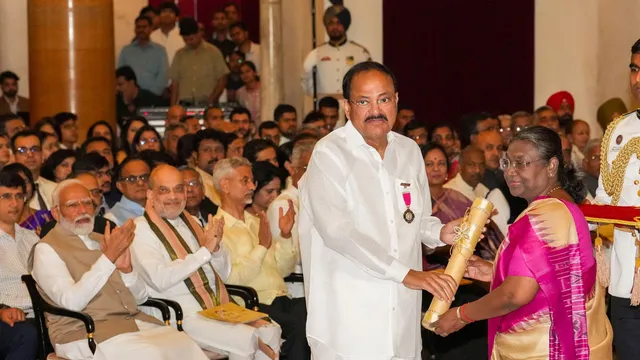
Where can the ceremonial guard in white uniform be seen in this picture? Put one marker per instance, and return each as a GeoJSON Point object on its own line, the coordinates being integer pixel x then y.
{"type": "Point", "coordinates": [333, 59]}
{"type": "Point", "coordinates": [619, 184]}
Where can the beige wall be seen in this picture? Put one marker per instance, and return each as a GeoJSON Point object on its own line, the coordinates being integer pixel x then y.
{"type": "Point", "coordinates": [125, 13]}
{"type": "Point", "coordinates": [619, 29]}
{"type": "Point", "coordinates": [583, 46]}
{"type": "Point", "coordinates": [14, 50]}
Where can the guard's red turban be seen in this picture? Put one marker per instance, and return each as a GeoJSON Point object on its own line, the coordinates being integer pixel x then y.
{"type": "Point", "coordinates": [558, 98]}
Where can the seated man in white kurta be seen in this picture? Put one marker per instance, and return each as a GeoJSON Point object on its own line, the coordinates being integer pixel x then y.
{"type": "Point", "coordinates": [80, 270]}
{"type": "Point", "coordinates": [299, 161]}
{"type": "Point", "coordinates": [469, 183]}
{"type": "Point", "coordinates": [183, 262]}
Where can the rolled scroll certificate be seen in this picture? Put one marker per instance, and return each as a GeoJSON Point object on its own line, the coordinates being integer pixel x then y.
{"type": "Point", "coordinates": [467, 236]}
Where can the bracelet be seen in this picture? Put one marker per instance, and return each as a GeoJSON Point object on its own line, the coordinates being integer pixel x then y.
{"type": "Point", "coordinates": [463, 316]}
{"type": "Point", "coordinates": [460, 316]}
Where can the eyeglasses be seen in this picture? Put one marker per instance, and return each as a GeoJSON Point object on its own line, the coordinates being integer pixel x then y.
{"type": "Point", "coordinates": [25, 150]}
{"type": "Point", "coordinates": [133, 179]}
{"type": "Point", "coordinates": [19, 197]}
{"type": "Point", "coordinates": [519, 165]}
{"type": "Point", "coordinates": [505, 129]}
{"type": "Point", "coordinates": [517, 129]}
{"type": "Point", "coordinates": [193, 184]}
{"type": "Point", "coordinates": [365, 103]}
{"type": "Point", "coordinates": [154, 140]}
{"type": "Point", "coordinates": [75, 205]}
{"type": "Point", "coordinates": [96, 192]}
{"type": "Point", "coordinates": [71, 126]}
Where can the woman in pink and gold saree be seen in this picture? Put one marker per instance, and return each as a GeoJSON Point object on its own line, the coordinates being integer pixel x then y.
{"type": "Point", "coordinates": [545, 302]}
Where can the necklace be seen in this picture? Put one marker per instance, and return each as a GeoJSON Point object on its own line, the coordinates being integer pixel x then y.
{"type": "Point", "coordinates": [552, 190]}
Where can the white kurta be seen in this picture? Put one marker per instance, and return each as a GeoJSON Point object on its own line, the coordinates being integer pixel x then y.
{"type": "Point", "coordinates": [151, 342]}
{"type": "Point", "coordinates": [623, 253]}
{"type": "Point", "coordinates": [357, 248]}
{"type": "Point", "coordinates": [165, 279]}
{"type": "Point", "coordinates": [495, 196]}
{"type": "Point", "coordinates": [273, 214]}
{"type": "Point", "coordinates": [172, 42]}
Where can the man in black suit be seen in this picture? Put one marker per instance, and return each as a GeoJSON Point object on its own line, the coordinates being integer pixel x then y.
{"type": "Point", "coordinates": [198, 204]}
{"type": "Point", "coordinates": [91, 183]}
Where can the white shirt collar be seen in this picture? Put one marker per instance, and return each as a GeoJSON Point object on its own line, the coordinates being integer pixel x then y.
{"type": "Point", "coordinates": [355, 139]}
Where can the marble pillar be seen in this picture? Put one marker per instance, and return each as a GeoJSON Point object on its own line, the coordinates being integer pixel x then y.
{"type": "Point", "coordinates": [296, 40]}
{"type": "Point", "coordinates": [71, 60]}
{"type": "Point", "coordinates": [271, 72]}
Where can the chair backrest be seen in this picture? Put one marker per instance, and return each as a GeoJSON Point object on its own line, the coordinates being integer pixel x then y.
{"type": "Point", "coordinates": [45, 347]}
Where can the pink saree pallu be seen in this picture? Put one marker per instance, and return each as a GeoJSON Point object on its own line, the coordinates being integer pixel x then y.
{"type": "Point", "coordinates": [566, 320]}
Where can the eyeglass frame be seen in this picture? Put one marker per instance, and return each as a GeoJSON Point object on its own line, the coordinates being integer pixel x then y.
{"type": "Point", "coordinates": [74, 205]}
{"type": "Point", "coordinates": [525, 164]}
{"type": "Point", "coordinates": [153, 140]}
{"type": "Point", "coordinates": [16, 196]}
{"type": "Point", "coordinates": [135, 178]}
{"type": "Point", "coordinates": [391, 99]}
{"type": "Point", "coordinates": [23, 150]}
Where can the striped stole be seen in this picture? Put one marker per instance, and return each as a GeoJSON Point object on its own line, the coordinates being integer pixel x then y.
{"type": "Point", "coordinates": [197, 283]}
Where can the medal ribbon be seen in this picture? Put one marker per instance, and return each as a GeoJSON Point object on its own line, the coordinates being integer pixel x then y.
{"type": "Point", "coordinates": [406, 196]}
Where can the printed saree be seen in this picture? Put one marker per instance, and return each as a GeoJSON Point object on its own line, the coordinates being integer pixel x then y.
{"type": "Point", "coordinates": [566, 320]}
{"type": "Point", "coordinates": [37, 220]}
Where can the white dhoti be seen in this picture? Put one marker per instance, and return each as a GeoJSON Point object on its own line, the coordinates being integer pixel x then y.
{"type": "Point", "coordinates": [151, 342]}
{"type": "Point", "coordinates": [237, 341]}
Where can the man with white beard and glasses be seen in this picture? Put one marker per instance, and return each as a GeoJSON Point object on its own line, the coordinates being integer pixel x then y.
{"type": "Point", "coordinates": [80, 270]}
{"type": "Point", "coordinates": [181, 261]}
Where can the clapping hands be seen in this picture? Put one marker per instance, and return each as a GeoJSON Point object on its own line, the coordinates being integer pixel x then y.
{"type": "Point", "coordinates": [116, 245]}
{"type": "Point", "coordinates": [213, 233]}
{"type": "Point", "coordinates": [286, 220]}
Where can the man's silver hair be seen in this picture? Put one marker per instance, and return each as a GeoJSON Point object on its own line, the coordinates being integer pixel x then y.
{"type": "Point", "coordinates": [63, 185]}
{"type": "Point", "coordinates": [592, 144]}
{"type": "Point", "coordinates": [300, 150]}
{"type": "Point", "coordinates": [225, 167]}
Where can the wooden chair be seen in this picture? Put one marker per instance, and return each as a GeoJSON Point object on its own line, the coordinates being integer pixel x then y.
{"type": "Point", "coordinates": [40, 307]}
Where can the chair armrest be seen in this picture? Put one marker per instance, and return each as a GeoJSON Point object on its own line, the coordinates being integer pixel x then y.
{"type": "Point", "coordinates": [86, 319]}
{"type": "Point", "coordinates": [82, 316]}
{"type": "Point", "coordinates": [248, 294]}
{"type": "Point", "coordinates": [294, 278]}
{"type": "Point", "coordinates": [177, 309]}
{"type": "Point", "coordinates": [160, 305]}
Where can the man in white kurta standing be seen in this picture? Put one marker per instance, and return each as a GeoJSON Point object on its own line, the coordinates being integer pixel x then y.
{"type": "Point", "coordinates": [365, 210]}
